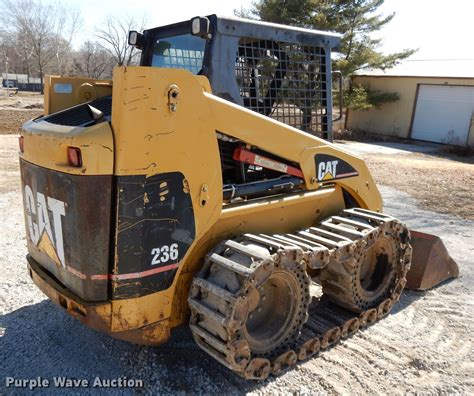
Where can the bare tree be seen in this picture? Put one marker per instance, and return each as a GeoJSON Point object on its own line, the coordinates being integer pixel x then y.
{"type": "Point", "coordinates": [70, 18]}
{"type": "Point", "coordinates": [48, 29]}
{"type": "Point", "coordinates": [113, 37]}
{"type": "Point", "coordinates": [18, 52]}
{"type": "Point", "coordinates": [93, 61]}
{"type": "Point", "coordinates": [25, 53]}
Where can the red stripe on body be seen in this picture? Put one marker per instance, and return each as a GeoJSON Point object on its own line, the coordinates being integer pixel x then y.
{"type": "Point", "coordinates": [135, 275]}
{"type": "Point", "coordinates": [100, 277]}
{"type": "Point", "coordinates": [79, 274]}
{"type": "Point", "coordinates": [347, 175]}
{"type": "Point", "coordinates": [132, 275]}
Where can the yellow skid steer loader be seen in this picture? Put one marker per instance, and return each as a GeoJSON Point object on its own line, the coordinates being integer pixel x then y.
{"type": "Point", "coordinates": [203, 187]}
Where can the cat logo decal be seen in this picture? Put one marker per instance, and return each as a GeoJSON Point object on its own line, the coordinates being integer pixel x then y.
{"type": "Point", "coordinates": [43, 232]}
{"type": "Point", "coordinates": [329, 167]}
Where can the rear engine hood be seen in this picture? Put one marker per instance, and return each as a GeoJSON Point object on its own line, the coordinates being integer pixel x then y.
{"type": "Point", "coordinates": [67, 208]}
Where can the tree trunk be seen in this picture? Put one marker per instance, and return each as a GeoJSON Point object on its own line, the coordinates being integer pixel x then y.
{"type": "Point", "coordinates": [27, 64]}
{"type": "Point", "coordinates": [40, 67]}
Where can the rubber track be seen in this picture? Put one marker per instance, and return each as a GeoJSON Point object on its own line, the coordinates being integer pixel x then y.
{"type": "Point", "coordinates": [340, 238]}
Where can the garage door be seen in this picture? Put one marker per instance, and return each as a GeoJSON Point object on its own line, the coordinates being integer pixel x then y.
{"type": "Point", "coordinates": [443, 114]}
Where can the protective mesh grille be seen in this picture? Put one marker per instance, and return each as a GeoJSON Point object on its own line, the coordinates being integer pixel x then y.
{"type": "Point", "coordinates": [284, 81]}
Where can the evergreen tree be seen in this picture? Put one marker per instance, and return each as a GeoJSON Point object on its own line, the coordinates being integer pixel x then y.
{"type": "Point", "coordinates": [356, 20]}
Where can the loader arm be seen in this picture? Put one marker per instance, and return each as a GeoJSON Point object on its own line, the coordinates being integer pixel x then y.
{"type": "Point", "coordinates": [294, 145]}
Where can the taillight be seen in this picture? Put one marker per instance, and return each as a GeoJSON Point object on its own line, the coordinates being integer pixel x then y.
{"type": "Point", "coordinates": [74, 156]}
{"type": "Point", "coordinates": [21, 142]}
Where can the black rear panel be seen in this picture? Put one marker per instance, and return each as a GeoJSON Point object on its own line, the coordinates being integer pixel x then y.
{"type": "Point", "coordinates": [80, 115]}
{"type": "Point", "coordinates": [68, 227]}
{"type": "Point", "coordinates": [155, 230]}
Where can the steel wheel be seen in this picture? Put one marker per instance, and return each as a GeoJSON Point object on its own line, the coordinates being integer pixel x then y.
{"type": "Point", "coordinates": [276, 318]}
{"type": "Point", "coordinates": [375, 273]}
{"type": "Point", "coordinates": [366, 279]}
{"type": "Point", "coordinates": [274, 310]}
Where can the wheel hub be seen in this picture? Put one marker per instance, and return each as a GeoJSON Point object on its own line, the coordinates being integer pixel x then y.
{"type": "Point", "coordinates": [271, 322]}
{"type": "Point", "coordinates": [376, 266]}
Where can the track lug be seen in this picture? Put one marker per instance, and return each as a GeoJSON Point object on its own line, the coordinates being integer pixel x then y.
{"type": "Point", "coordinates": [309, 348]}
{"type": "Point", "coordinates": [384, 308]}
{"type": "Point", "coordinates": [368, 317]}
{"type": "Point", "coordinates": [284, 361]}
{"type": "Point", "coordinates": [230, 265]}
{"type": "Point", "coordinates": [258, 369]}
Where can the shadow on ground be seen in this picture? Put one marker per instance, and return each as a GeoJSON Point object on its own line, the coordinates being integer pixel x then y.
{"type": "Point", "coordinates": [41, 340]}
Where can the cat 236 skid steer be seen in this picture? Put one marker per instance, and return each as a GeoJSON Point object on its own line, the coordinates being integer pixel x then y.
{"type": "Point", "coordinates": [202, 187]}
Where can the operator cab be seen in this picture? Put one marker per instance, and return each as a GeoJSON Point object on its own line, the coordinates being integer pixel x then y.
{"type": "Point", "coordinates": [278, 71]}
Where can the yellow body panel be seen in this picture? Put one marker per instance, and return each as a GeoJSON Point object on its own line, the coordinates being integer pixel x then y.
{"type": "Point", "coordinates": [156, 131]}
{"type": "Point", "coordinates": [46, 145]}
{"type": "Point", "coordinates": [151, 139]}
{"type": "Point", "coordinates": [63, 92]}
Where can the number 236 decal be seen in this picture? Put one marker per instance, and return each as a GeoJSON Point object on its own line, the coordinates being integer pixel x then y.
{"type": "Point", "coordinates": [164, 254]}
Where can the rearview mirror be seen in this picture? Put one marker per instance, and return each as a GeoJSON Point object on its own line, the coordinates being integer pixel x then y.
{"type": "Point", "coordinates": [136, 39]}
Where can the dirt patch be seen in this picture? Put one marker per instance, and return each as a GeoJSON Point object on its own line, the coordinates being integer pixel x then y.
{"type": "Point", "coordinates": [21, 99]}
{"type": "Point", "coordinates": [11, 120]}
{"type": "Point", "coordinates": [15, 110]}
{"type": "Point", "coordinates": [443, 183]}
{"type": "Point", "coordinates": [363, 136]}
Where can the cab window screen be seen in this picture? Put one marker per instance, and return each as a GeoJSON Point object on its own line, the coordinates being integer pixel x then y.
{"type": "Point", "coordinates": [180, 52]}
{"type": "Point", "coordinates": [285, 81]}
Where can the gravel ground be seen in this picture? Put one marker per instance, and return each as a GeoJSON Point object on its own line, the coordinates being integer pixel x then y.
{"type": "Point", "coordinates": [432, 173]}
{"type": "Point", "coordinates": [425, 345]}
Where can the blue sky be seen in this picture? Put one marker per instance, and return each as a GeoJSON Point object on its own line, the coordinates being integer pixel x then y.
{"type": "Point", "coordinates": [442, 30]}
